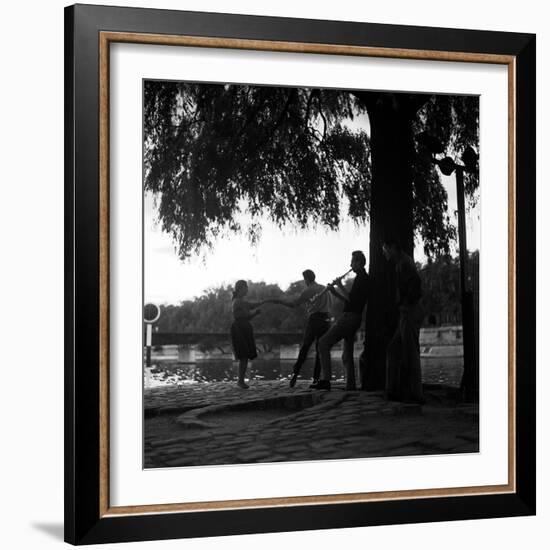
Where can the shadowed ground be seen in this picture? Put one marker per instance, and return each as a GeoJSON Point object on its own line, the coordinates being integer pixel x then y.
{"type": "Point", "coordinates": [217, 423]}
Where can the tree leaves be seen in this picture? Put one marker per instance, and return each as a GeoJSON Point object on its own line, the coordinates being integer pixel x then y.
{"type": "Point", "coordinates": [453, 121]}
{"type": "Point", "coordinates": [215, 153]}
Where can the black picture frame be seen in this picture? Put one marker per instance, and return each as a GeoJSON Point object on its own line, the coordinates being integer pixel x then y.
{"type": "Point", "coordinates": [86, 521]}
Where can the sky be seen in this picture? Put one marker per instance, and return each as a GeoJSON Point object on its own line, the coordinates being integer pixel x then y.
{"type": "Point", "coordinates": [279, 257]}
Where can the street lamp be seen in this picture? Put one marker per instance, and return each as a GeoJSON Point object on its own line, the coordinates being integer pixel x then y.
{"type": "Point", "coordinates": [470, 378]}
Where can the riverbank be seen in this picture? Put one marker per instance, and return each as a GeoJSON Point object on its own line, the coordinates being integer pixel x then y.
{"type": "Point", "coordinates": [218, 423]}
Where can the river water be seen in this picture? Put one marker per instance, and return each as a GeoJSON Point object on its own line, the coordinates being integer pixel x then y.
{"type": "Point", "coordinates": [441, 370]}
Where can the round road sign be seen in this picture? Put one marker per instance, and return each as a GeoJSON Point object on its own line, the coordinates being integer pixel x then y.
{"type": "Point", "coordinates": [151, 313]}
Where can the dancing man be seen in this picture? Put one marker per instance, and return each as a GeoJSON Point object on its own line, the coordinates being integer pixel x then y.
{"type": "Point", "coordinates": [403, 374]}
{"type": "Point", "coordinates": [348, 323]}
{"type": "Point", "coordinates": [316, 301]}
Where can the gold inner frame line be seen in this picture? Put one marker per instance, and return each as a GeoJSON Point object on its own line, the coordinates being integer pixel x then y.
{"type": "Point", "coordinates": [105, 39]}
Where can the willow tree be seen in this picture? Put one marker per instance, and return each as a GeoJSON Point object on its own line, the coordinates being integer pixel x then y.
{"type": "Point", "coordinates": [295, 156]}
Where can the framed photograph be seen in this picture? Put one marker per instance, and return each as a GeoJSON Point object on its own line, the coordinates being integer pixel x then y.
{"type": "Point", "coordinates": [300, 274]}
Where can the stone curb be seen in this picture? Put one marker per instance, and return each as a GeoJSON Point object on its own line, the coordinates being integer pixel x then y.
{"type": "Point", "coordinates": [319, 402]}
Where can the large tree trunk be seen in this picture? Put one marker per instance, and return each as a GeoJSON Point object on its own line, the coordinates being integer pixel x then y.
{"type": "Point", "coordinates": [391, 215]}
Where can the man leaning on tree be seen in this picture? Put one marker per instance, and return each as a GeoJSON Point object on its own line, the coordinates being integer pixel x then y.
{"type": "Point", "coordinates": [403, 372]}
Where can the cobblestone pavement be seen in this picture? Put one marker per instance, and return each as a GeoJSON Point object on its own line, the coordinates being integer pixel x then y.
{"type": "Point", "coordinates": [218, 423]}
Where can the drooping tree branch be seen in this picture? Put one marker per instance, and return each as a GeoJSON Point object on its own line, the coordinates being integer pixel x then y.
{"type": "Point", "coordinates": [286, 153]}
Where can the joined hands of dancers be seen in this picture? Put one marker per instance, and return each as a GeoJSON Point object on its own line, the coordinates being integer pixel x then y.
{"type": "Point", "coordinates": [337, 282]}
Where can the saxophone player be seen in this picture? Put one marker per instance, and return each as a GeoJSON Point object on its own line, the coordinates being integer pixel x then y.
{"type": "Point", "coordinates": [316, 302]}
{"type": "Point", "coordinates": [347, 325]}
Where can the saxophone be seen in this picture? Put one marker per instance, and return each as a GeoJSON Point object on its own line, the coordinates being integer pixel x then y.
{"type": "Point", "coordinates": [326, 289]}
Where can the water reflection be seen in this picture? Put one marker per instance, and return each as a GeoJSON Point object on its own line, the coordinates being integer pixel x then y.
{"type": "Point", "coordinates": [442, 370]}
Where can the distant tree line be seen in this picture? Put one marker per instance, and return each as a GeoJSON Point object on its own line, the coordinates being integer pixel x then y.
{"type": "Point", "coordinates": [212, 311]}
{"type": "Point", "coordinates": [441, 288]}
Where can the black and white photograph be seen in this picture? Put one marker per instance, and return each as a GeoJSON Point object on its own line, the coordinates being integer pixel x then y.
{"type": "Point", "coordinates": [310, 273]}
{"type": "Point", "coordinates": [275, 275]}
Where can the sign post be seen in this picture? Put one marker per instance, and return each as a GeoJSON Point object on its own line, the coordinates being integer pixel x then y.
{"type": "Point", "coordinates": [151, 314]}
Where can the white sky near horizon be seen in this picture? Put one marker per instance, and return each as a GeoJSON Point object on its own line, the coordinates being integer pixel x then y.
{"type": "Point", "coordinates": [279, 257]}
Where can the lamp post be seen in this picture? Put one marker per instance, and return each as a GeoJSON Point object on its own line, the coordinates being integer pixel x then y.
{"type": "Point", "coordinates": [470, 379]}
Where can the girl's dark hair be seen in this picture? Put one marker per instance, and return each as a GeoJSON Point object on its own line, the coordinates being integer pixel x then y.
{"type": "Point", "coordinates": [239, 285]}
{"type": "Point", "coordinates": [308, 275]}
